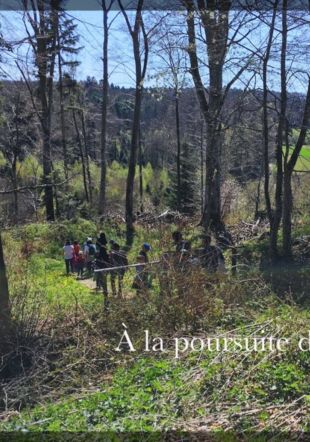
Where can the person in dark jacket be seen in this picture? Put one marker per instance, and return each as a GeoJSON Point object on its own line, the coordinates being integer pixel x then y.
{"type": "Point", "coordinates": [140, 282]}
{"type": "Point", "coordinates": [180, 243]}
{"type": "Point", "coordinates": [118, 258]}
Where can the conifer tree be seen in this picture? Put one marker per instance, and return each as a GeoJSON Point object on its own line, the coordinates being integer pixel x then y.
{"type": "Point", "coordinates": [188, 182]}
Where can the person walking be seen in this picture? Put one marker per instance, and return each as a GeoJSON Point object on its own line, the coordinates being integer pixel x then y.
{"type": "Point", "coordinates": [79, 264]}
{"type": "Point", "coordinates": [118, 258]}
{"type": "Point", "coordinates": [140, 283]}
{"type": "Point", "coordinates": [68, 256]}
{"type": "Point", "coordinates": [90, 256]}
{"type": "Point", "coordinates": [77, 248]}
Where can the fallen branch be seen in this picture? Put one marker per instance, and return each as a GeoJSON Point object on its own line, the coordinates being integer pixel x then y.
{"type": "Point", "coordinates": [109, 269]}
{"type": "Point", "coordinates": [37, 186]}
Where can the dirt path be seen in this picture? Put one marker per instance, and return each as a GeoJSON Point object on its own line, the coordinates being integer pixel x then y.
{"type": "Point", "coordinates": [89, 283]}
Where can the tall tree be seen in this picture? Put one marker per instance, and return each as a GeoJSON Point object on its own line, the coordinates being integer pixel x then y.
{"type": "Point", "coordinates": [67, 40]}
{"type": "Point", "coordinates": [174, 72]}
{"type": "Point", "coordinates": [266, 58]}
{"type": "Point", "coordinates": [17, 137]}
{"type": "Point", "coordinates": [277, 216]}
{"type": "Point", "coordinates": [104, 108]}
{"type": "Point", "coordinates": [183, 195]}
{"type": "Point", "coordinates": [141, 51]}
{"type": "Point", "coordinates": [289, 165]}
{"type": "Point", "coordinates": [213, 16]}
{"type": "Point", "coordinates": [215, 22]}
{"type": "Point", "coordinates": [44, 22]}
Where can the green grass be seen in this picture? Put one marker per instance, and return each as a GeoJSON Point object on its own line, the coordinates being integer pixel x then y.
{"type": "Point", "coordinates": [156, 394]}
{"type": "Point", "coordinates": [303, 162]}
{"type": "Point", "coordinates": [148, 392]}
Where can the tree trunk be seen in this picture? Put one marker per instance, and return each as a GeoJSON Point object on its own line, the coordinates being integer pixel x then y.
{"type": "Point", "coordinates": [105, 90]}
{"type": "Point", "coordinates": [289, 165]}
{"type": "Point", "coordinates": [215, 24]}
{"type": "Point", "coordinates": [265, 117]}
{"type": "Point", "coordinates": [201, 168]}
{"type": "Point", "coordinates": [132, 164]}
{"type": "Point", "coordinates": [5, 317]}
{"type": "Point", "coordinates": [287, 214]}
{"type": "Point", "coordinates": [141, 173]}
{"type": "Point", "coordinates": [90, 185]}
{"type": "Point", "coordinates": [81, 155]}
{"type": "Point", "coordinates": [62, 111]}
{"type": "Point", "coordinates": [46, 98]}
{"type": "Point", "coordinates": [257, 198]}
{"type": "Point", "coordinates": [15, 194]}
{"type": "Point", "coordinates": [57, 209]}
{"type": "Point", "coordinates": [279, 148]}
{"type": "Point", "coordinates": [177, 121]}
{"type": "Point", "coordinates": [140, 71]}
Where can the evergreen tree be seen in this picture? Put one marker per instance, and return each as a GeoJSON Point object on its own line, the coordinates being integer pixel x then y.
{"type": "Point", "coordinates": [188, 186]}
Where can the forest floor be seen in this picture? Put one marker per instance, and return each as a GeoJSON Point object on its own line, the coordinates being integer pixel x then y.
{"type": "Point", "coordinates": [74, 380]}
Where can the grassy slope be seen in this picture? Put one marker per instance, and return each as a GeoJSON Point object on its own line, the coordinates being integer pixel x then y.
{"type": "Point", "coordinates": [303, 162]}
{"type": "Point", "coordinates": [158, 392]}
{"type": "Point", "coordinates": [201, 389]}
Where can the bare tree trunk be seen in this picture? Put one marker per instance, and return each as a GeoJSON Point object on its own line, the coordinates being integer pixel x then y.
{"type": "Point", "coordinates": [5, 316]}
{"type": "Point", "coordinates": [46, 98]}
{"type": "Point", "coordinates": [62, 110]}
{"type": "Point", "coordinates": [90, 186]}
{"type": "Point", "coordinates": [15, 194]}
{"type": "Point", "coordinates": [287, 213]}
{"type": "Point", "coordinates": [141, 173]}
{"type": "Point", "coordinates": [265, 116]}
{"type": "Point", "coordinates": [257, 198]}
{"type": "Point", "coordinates": [289, 165]}
{"type": "Point", "coordinates": [201, 167]}
{"type": "Point", "coordinates": [177, 121]}
{"type": "Point", "coordinates": [81, 154]}
{"type": "Point", "coordinates": [279, 148]}
{"type": "Point", "coordinates": [215, 24]}
{"type": "Point", "coordinates": [105, 91]}
{"type": "Point", "coordinates": [132, 164]}
{"type": "Point", "coordinates": [140, 71]}
{"type": "Point", "coordinates": [55, 192]}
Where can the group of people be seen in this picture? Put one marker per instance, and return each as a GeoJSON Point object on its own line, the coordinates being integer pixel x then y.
{"type": "Point", "coordinates": [95, 259]}
{"type": "Point", "coordinates": [98, 259]}
{"type": "Point", "coordinates": [208, 256]}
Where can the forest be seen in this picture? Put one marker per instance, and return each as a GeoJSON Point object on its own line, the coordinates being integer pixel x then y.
{"type": "Point", "coordinates": [154, 220]}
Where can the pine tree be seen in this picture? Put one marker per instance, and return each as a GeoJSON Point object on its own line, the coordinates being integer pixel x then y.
{"type": "Point", "coordinates": [188, 196]}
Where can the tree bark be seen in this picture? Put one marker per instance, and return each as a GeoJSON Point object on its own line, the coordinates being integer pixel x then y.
{"type": "Point", "coordinates": [44, 44]}
{"type": "Point", "coordinates": [215, 23]}
{"type": "Point", "coordinates": [90, 185]}
{"type": "Point", "coordinates": [105, 93]}
{"type": "Point", "coordinates": [132, 164]}
{"type": "Point", "coordinates": [46, 97]}
{"type": "Point", "coordinates": [5, 316]}
{"type": "Point", "coordinates": [265, 117]}
{"type": "Point", "coordinates": [141, 174]}
{"type": "Point", "coordinates": [289, 165]}
{"type": "Point", "coordinates": [202, 167]}
{"type": "Point", "coordinates": [279, 147]}
{"type": "Point", "coordinates": [62, 109]}
{"type": "Point", "coordinates": [81, 154]}
{"type": "Point", "coordinates": [140, 71]}
{"type": "Point", "coordinates": [177, 123]}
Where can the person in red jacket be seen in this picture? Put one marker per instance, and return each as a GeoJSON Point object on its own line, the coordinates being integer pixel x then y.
{"type": "Point", "coordinates": [77, 248]}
